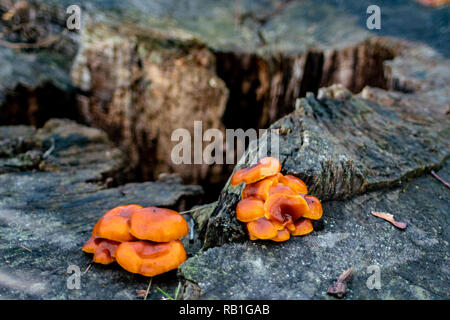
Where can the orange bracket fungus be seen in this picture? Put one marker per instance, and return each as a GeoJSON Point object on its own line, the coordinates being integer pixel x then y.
{"type": "Point", "coordinates": [150, 259]}
{"type": "Point", "coordinates": [104, 250]}
{"type": "Point", "coordinates": [282, 235]}
{"type": "Point", "coordinates": [294, 183]}
{"type": "Point", "coordinates": [274, 207]}
{"type": "Point", "coordinates": [265, 167]}
{"type": "Point", "coordinates": [281, 189]}
{"type": "Point", "coordinates": [260, 189]}
{"type": "Point", "coordinates": [115, 224]}
{"type": "Point", "coordinates": [158, 224]}
{"type": "Point", "coordinates": [315, 208]}
{"type": "Point", "coordinates": [250, 209]}
{"type": "Point", "coordinates": [262, 229]}
{"type": "Point", "coordinates": [302, 227]}
{"type": "Point", "coordinates": [141, 240]}
{"type": "Point", "coordinates": [285, 208]}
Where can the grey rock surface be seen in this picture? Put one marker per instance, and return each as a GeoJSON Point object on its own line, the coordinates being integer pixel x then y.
{"type": "Point", "coordinates": [412, 264]}
{"type": "Point", "coordinates": [47, 213]}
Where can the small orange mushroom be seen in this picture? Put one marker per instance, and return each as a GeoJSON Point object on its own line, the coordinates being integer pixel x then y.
{"type": "Point", "coordinates": [294, 183]}
{"type": "Point", "coordinates": [302, 227]}
{"type": "Point", "coordinates": [282, 235]}
{"type": "Point", "coordinates": [261, 229]}
{"type": "Point", "coordinates": [150, 259]}
{"type": "Point", "coordinates": [281, 189]}
{"type": "Point", "coordinates": [261, 188]}
{"type": "Point", "coordinates": [103, 249]}
{"type": "Point", "coordinates": [249, 209]}
{"type": "Point", "coordinates": [285, 209]}
{"type": "Point", "coordinates": [274, 206]}
{"type": "Point", "coordinates": [315, 208]}
{"type": "Point", "coordinates": [158, 224]}
{"type": "Point", "coordinates": [280, 226]}
{"type": "Point", "coordinates": [115, 224]}
{"type": "Point", "coordinates": [265, 167]}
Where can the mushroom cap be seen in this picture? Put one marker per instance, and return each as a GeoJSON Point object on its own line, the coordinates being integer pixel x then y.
{"type": "Point", "coordinates": [315, 208]}
{"type": "Point", "coordinates": [280, 226]}
{"type": "Point", "coordinates": [261, 229]}
{"type": "Point", "coordinates": [261, 188]}
{"type": "Point", "coordinates": [115, 224]}
{"type": "Point", "coordinates": [265, 167]}
{"type": "Point", "coordinates": [149, 258]}
{"type": "Point", "coordinates": [158, 224]}
{"type": "Point", "coordinates": [103, 249]}
{"type": "Point", "coordinates": [282, 235]}
{"type": "Point", "coordinates": [281, 189]}
{"type": "Point", "coordinates": [302, 227]}
{"type": "Point", "coordinates": [285, 208]}
{"type": "Point", "coordinates": [249, 209]}
{"type": "Point", "coordinates": [294, 183]}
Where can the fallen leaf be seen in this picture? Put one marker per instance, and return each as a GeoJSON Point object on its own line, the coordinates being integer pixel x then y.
{"type": "Point", "coordinates": [141, 293]}
{"type": "Point", "coordinates": [389, 217]}
{"type": "Point", "coordinates": [339, 288]}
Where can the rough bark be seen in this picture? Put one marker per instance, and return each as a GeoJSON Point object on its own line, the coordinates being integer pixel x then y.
{"type": "Point", "coordinates": [36, 54]}
{"type": "Point", "coordinates": [154, 85]}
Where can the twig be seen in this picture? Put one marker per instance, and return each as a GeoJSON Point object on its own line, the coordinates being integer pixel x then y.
{"type": "Point", "coordinates": [87, 269]}
{"type": "Point", "coordinates": [22, 45]}
{"type": "Point", "coordinates": [40, 44]}
{"type": "Point", "coordinates": [23, 247]}
{"type": "Point", "coordinates": [184, 212]}
{"type": "Point", "coordinates": [389, 217]}
{"type": "Point", "coordinates": [50, 150]}
{"type": "Point", "coordinates": [148, 288]}
{"type": "Point", "coordinates": [440, 179]}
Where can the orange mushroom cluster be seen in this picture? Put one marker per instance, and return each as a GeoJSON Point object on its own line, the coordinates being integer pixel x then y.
{"type": "Point", "coordinates": [274, 206]}
{"type": "Point", "coordinates": [141, 240]}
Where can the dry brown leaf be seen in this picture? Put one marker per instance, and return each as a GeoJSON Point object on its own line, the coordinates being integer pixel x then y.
{"type": "Point", "coordinates": [141, 293]}
{"type": "Point", "coordinates": [339, 288]}
{"type": "Point", "coordinates": [389, 217]}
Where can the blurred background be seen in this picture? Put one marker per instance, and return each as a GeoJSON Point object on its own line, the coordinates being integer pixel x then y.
{"type": "Point", "coordinates": [141, 69]}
